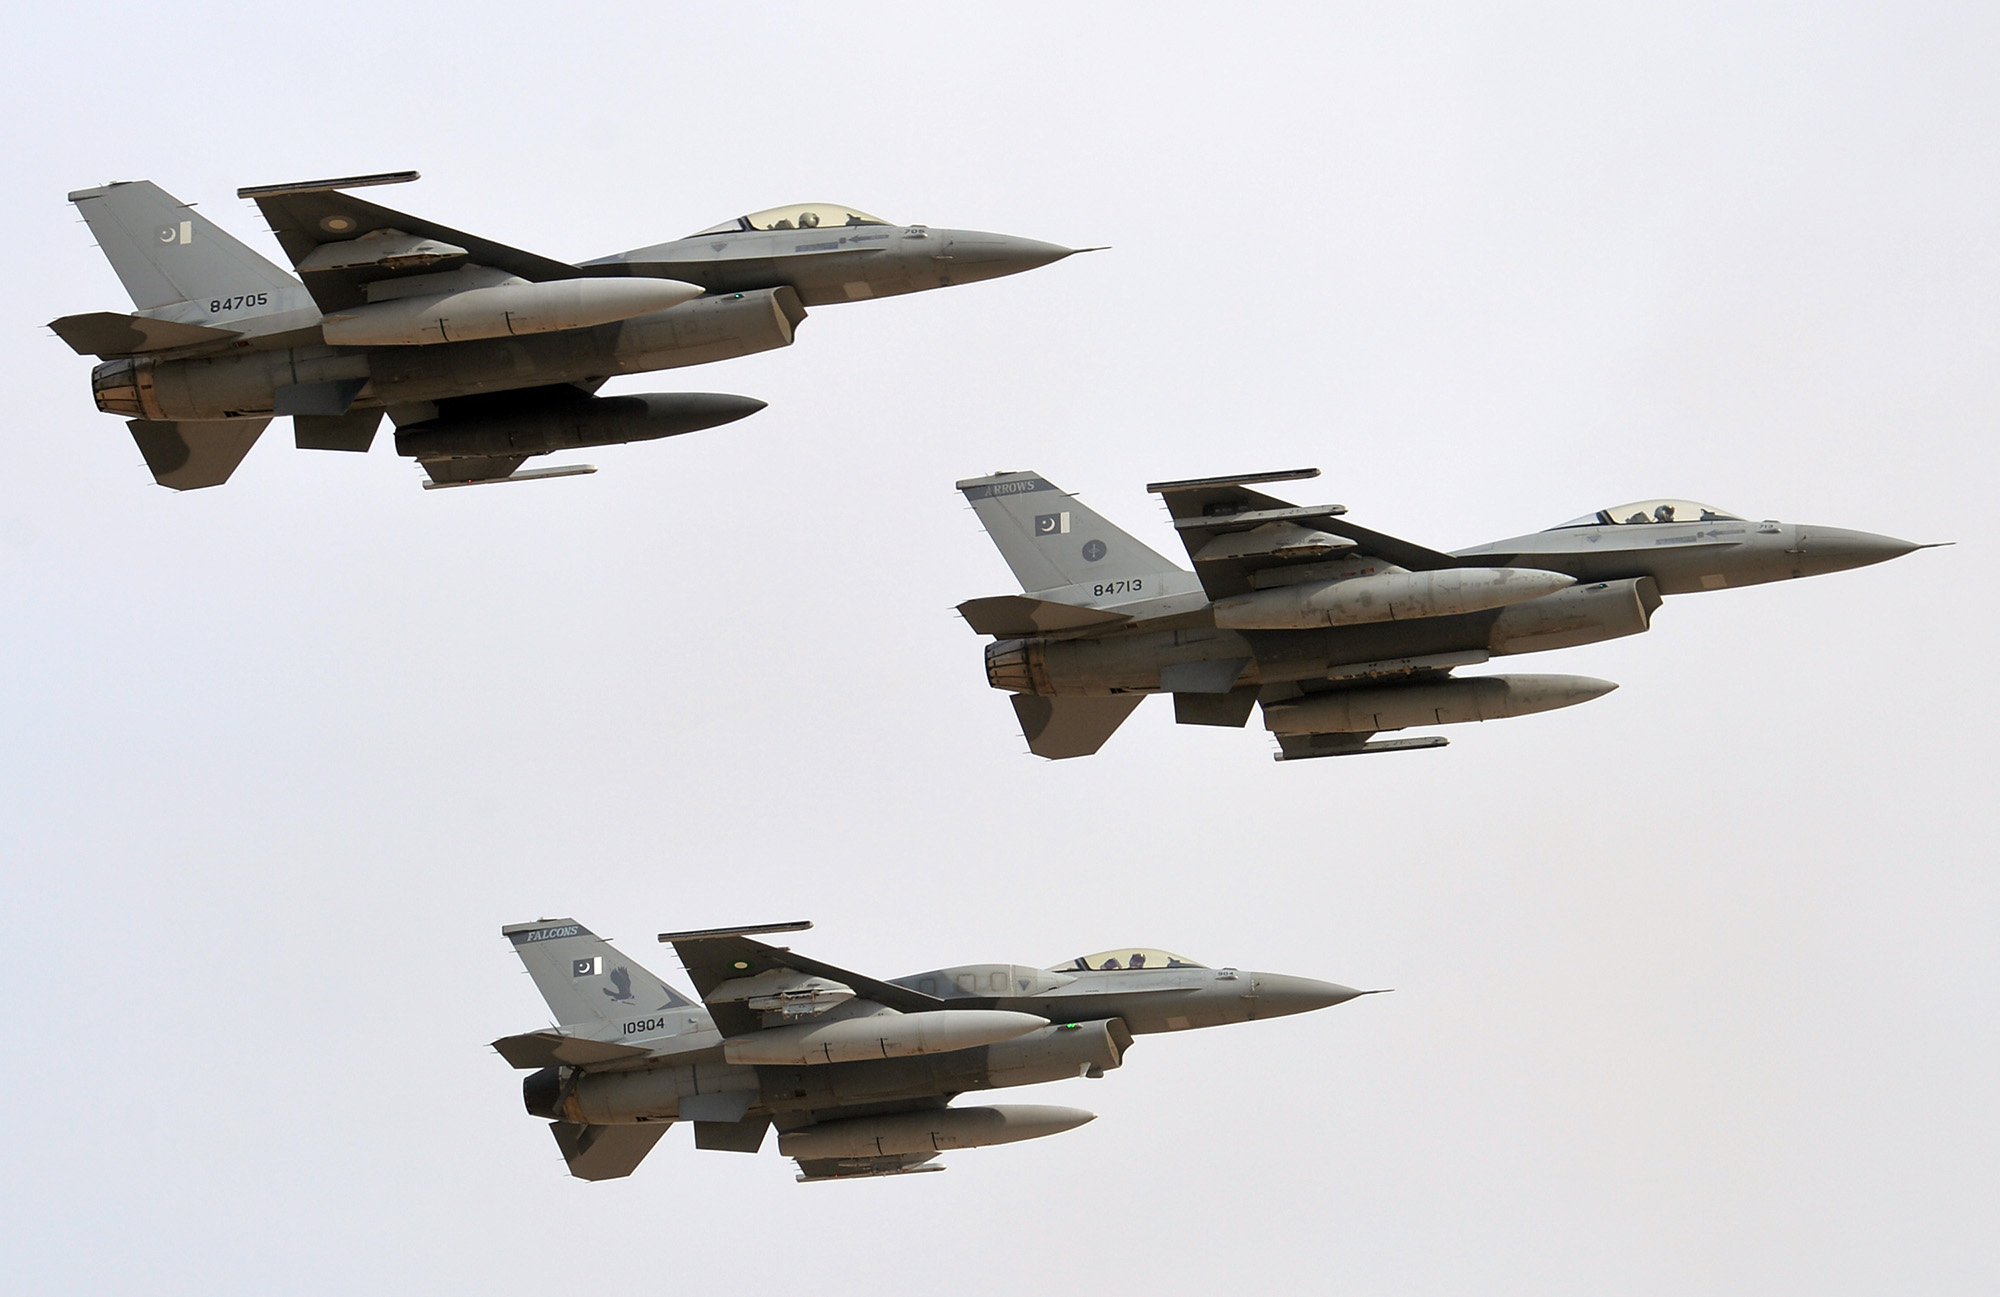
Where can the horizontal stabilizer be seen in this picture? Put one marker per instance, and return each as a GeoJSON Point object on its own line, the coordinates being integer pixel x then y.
{"type": "Point", "coordinates": [1009, 615]}
{"type": "Point", "coordinates": [1071, 727]}
{"type": "Point", "coordinates": [1302, 747]}
{"type": "Point", "coordinates": [536, 1049]}
{"type": "Point", "coordinates": [108, 335]}
{"type": "Point", "coordinates": [605, 1152]}
{"type": "Point", "coordinates": [189, 455]}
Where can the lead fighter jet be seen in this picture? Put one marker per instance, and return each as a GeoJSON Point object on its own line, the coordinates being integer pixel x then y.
{"type": "Point", "coordinates": [1338, 632]}
{"type": "Point", "coordinates": [482, 355]}
{"type": "Point", "coordinates": [857, 1074]}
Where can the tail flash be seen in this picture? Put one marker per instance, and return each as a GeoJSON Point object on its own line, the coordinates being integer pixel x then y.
{"type": "Point", "coordinates": [166, 253]}
{"type": "Point", "coordinates": [1063, 551]}
{"type": "Point", "coordinates": [586, 981]}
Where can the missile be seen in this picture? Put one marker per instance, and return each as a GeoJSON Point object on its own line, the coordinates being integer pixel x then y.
{"type": "Point", "coordinates": [881, 1035]}
{"type": "Point", "coordinates": [1386, 596]}
{"type": "Point", "coordinates": [929, 1132]}
{"type": "Point", "coordinates": [587, 421]}
{"type": "Point", "coordinates": [501, 311]}
{"type": "Point", "coordinates": [1446, 702]}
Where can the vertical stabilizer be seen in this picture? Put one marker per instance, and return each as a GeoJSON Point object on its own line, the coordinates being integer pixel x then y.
{"type": "Point", "coordinates": [586, 980]}
{"type": "Point", "coordinates": [166, 253]}
{"type": "Point", "coordinates": [1064, 551]}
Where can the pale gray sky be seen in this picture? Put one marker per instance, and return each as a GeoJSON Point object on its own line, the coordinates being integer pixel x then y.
{"type": "Point", "coordinates": [1693, 982]}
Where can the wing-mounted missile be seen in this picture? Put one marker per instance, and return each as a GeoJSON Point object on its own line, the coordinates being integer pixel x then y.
{"type": "Point", "coordinates": [1386, 596]}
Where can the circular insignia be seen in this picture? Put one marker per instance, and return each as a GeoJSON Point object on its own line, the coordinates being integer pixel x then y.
{"type": "Point", "coordinates": [168, 234]}
{"type": "Point", "coordinates": [336, 224]}
{"type": "Point", "coordinates": [741, 966]}
{"type": "Point", "coordinates": [1093, 550]}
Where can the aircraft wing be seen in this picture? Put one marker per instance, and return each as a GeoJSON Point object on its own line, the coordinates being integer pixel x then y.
{"type": "Point", "coordinates": [108, 335]}
{"type": "Point", "coordinates": [339, 244]}
{"type": "Point", "coordinates": [716, 956]}
{"type": "Point", "coordinates": [1243, 540]}
{"type": "Point", "coordinates": [605, 1152]}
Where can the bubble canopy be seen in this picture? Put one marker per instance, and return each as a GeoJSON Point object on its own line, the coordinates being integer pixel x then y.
{"type": "Point", "coordinates": [1124, 959]}
{"type": "Point", "coordinates": [1651, 512]}
{"type": "Point", "coordinates": [795, 216]}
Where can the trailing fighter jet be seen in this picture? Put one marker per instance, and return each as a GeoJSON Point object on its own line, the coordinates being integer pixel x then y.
{"type": "Point", "coordinates": [1338, 632]}
{"type": "Point", "coordinates": [858, 1075]}
{"type": "Point", "coordinates": [482, 355]}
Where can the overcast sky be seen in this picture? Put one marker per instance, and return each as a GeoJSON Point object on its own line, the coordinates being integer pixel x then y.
{"type": "Point", "coordinates": [1693, 983]}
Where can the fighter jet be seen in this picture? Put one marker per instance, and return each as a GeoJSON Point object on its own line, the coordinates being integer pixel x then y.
{"type": "Point", "coordinates": [1337, 632]}
{"type": "Point", "coordinates": [858, 1075]}
{"type": "Point", "coordinates": [482, 355]}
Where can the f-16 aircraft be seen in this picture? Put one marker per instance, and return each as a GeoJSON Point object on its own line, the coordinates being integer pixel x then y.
{"type": "Point", "coordinates": [1338, 632]}
{"type": "Point", "coordinates": [858, 1075]}
{"type": "Point", "coordinates": [481, 354]}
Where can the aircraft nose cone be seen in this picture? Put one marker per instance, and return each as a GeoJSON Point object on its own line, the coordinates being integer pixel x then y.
{"type": "Point", "coordinates": [1278, 995]}
{"type": "Point", "coordinates": [975, 255]}
{"type": "Point", "coordinates": [1831, 549]}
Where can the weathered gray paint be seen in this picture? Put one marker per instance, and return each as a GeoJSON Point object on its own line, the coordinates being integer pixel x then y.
{"type": "Point", "coordinates": [1339, 610]}
{"type": "Point", "coordinates": [223, 335]}
{"type": "Point", "coordinates": [633, 1053]}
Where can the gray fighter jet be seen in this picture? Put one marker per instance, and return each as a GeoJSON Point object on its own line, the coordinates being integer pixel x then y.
{"type": "Point", "coordinates": [858, 1075]}
{"type": "Point", "coordinates": [1338, 632]}
{"type": "Point", "coordinates": [482, 355]}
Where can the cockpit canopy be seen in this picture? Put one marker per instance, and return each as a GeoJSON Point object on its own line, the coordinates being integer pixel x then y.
{"type": "Point", "coordinates": [1124, 958]}
{"type": "Point", "coordinates": [1651, 511]}
{"type": "Point", "coordinates": [796, 216]}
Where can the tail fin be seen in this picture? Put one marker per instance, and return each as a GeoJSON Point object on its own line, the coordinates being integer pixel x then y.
{"type": "Point", "coordinates": [587, 982]}
{"type": "Point", "coordinates": [166, 253]}
{"type": "Point", "coordinates": [1064, 551]}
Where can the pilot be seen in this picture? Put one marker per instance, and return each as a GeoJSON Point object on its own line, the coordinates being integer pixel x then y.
{"type": "Point", "coordinates": [1111, 964]}
{"type": "Point", "coordinates": [808, 220]}
{"type": "Point", "coordinates": [1637, 517]}
{"type": "Point", "coordinates": [1665, 513]}
{"type": "Point", "coordinates": [1138, 960]}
